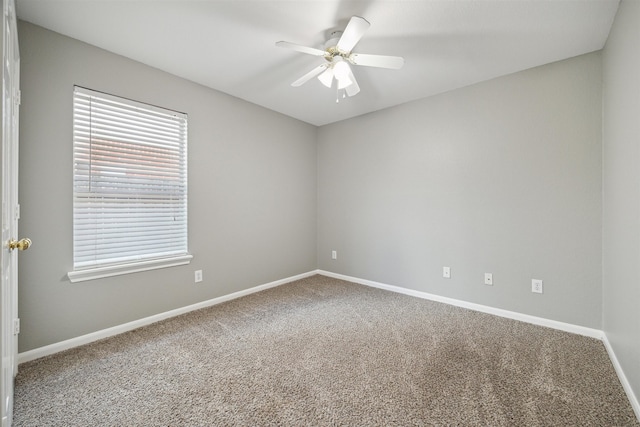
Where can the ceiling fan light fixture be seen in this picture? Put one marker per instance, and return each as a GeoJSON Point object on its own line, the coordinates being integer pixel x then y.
{"type": "Point", "coordinates": [326, 78]}
{"type": "Point", "coordinates": [342, 73]}
{"type": "Point", "coordinates": [341, 69]}
{"type": "Point", "coordinates": [344, 83]}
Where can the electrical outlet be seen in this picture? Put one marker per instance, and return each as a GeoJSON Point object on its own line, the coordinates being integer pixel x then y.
{"type": "Point", "coordinates": [488, 279]}
{"type": "Point", "coordinates": [446, 272]}
{"type": "Point", "coordinates": [334, 254]}
{"type": "Point", "coordinates": [536, 286]}
{"type": "Point", "coordinates": [198, 276]}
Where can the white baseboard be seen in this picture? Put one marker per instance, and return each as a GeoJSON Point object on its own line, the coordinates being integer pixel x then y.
{"type": "Point", "coordinates": [623, 378]}
{"type": "Point", "coordinates": [554, 324]}
{"type": "Point", "coordinates": [109, 332]}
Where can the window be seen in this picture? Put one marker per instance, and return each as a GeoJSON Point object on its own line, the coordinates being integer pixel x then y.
{"type": "Point", "coordinates": [129, 186]}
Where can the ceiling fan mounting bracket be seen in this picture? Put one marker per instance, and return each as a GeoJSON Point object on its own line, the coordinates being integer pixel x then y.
{"type": "Point", "coordinates": [333, 39]}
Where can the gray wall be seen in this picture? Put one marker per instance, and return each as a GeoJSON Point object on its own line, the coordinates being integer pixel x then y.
{"type": "Point", "coordinates": [252, 193]}
{"type": "Point", "coordinates": [621, 213]}
{"type": "Point", "coordinates": [501, 177]}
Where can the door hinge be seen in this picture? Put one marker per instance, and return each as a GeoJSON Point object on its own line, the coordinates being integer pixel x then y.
{"type": "Point", "coordinates": [16, 326]}
{"type": "Point", "coordinates": [18, 97]}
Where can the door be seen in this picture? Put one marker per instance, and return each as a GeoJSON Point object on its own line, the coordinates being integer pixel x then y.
{"type": "Point", "coordinates": [10, 325]}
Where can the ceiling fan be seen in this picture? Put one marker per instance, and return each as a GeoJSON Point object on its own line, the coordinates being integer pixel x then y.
{"type": "Point", "coordinates": [338, 55]}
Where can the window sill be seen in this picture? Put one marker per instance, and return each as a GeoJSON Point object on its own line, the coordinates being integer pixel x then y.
{"type": "Point", "coordinates": [116, 270]}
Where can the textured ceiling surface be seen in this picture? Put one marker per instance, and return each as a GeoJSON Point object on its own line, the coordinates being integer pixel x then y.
{"type": "Point", "coordinates": [229, 45]}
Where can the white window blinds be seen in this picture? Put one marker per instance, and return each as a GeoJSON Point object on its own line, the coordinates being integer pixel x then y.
{"type": "Point", "coordinates": [129, 181]}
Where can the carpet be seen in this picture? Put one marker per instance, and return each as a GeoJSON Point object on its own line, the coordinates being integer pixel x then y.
{"type": "Point", "coordinates": [322, 351]}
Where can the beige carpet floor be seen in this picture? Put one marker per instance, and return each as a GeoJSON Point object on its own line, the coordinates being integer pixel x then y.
{"type": "Point", "coordinates": [321, 351]}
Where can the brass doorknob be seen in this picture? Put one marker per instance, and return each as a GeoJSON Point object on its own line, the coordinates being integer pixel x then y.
{"type": "Point", "coordinates": [22, 244]}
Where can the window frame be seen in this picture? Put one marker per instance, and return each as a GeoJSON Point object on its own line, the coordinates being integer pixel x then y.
{"type": "Point", "coordinates": [145, 262]}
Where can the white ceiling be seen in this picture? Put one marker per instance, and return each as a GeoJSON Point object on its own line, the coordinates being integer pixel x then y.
{"type": "Point", "coordinates": [229, 45]}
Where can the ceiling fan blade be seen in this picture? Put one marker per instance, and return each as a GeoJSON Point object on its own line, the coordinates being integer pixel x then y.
{"type": "Point", "coordinates": [382, 61]}
{"type": "Point", "coordinates": [353, 88]}
{"type": "Point", "coordinates": [311, 74]}
{"type": "Point", "coordinates": [352, 34]}
{"type": "Point", "coordinates": [303, 49]}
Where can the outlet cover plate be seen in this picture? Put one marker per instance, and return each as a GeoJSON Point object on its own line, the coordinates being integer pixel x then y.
{"type": "Point", "coordinates": [536, 286]}
{"type": "Point", "coordinates": [488, 279]}
{"type": "Point", "coordinates": [446, 272]}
